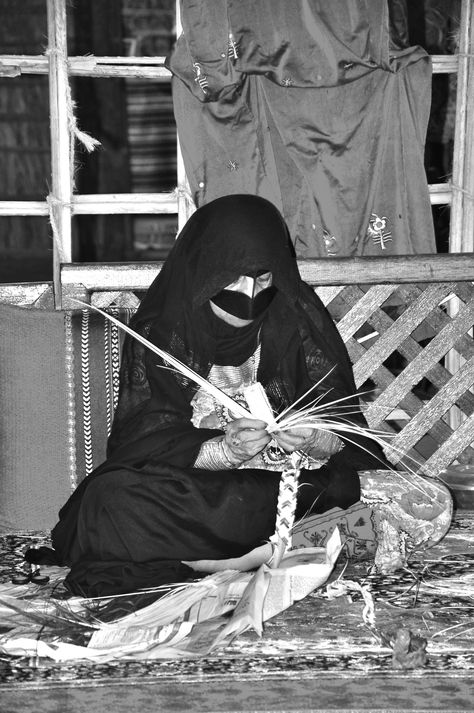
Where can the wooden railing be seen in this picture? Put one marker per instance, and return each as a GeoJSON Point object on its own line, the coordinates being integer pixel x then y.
{"type": "Point", "coordinates": [407, 323]}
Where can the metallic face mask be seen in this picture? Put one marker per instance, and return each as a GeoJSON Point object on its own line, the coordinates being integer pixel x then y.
{"type": "Point", "coordinates": [248, 296]}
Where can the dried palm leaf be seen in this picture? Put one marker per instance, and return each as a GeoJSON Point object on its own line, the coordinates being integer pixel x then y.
{"type": "Point", "coordinates": [326, 417]}
{"type": "Point", "coordinates": [183, 369]}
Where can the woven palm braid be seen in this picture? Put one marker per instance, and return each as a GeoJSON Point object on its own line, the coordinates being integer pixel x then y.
{"type": "Point", "coordinates": [286, 504]}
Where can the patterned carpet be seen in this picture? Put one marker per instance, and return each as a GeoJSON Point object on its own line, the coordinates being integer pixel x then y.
{"type": "Point", "coordinates": [316, 656]}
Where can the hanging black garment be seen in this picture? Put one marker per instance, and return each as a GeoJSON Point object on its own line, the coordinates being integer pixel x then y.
{"type": "Point", "coordinates": [132, 521]}
{"type": "Point", "coordinates": [310, 105]}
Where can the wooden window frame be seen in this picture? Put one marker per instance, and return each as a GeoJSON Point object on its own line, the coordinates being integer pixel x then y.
{"type": "Point", "coordinates": [63, 204]}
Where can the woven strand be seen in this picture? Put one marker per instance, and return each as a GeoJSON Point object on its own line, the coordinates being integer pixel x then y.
{"type": "Point", "coordinates": [468, 194]}
{"type": "Point", "coordinates": [115, 360]}
{"type": "Point", "coordinates": [54, 205]}
{"type": "Point", "coordinates": [71, 410]}
{"type": "Point", "coordinates": [107, 376]}
{"type": "Point", "coordinates": [183, 192]}
{"type": "Point", "coordinates": [286, 507]}
{"type": "Point", "coordinates": [88, 141]}
{"type": "Point", "coordinates": [86, 392]}
{"type": "Point", "coordinates": [341, 587]}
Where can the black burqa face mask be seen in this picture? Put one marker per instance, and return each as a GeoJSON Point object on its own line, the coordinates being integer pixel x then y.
{"type": "Point", "coordinates": [248, 297]}
{"type": "Point", "coordinates": [223, 240]}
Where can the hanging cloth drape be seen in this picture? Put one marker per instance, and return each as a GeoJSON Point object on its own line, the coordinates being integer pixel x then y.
{"type": "Point", "coordinates": [308, 104]}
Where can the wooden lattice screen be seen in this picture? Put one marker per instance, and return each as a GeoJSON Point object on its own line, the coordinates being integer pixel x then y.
{"type": "Point", "coordinates": [403, 325]}
{"type": "Point", "coordinates": [399, 322]}
{"type": "Point", "coordinates": [416, 392]}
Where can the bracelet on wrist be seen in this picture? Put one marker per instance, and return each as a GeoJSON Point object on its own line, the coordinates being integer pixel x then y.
{"type": "Point", "coordinates": [229, 458]}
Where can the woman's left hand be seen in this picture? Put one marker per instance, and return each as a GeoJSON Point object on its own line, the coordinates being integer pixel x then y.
{"type": "Point", "coordinates": [295, 439]}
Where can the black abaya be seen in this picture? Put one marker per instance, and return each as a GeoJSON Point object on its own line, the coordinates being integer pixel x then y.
{"type": "Point", "coordinates": [132, 522]}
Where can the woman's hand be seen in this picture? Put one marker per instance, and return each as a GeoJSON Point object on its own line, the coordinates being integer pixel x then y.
{"type": "Point", "coordinates": [316, 443]}
{"type": "Point", "coordinates": [245, 437]}
{"type": "Point", "coordinates": [296, 439]}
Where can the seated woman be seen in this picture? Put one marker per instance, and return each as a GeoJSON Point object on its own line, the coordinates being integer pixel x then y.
{"type": "Point", "coordinates": [185, 480]}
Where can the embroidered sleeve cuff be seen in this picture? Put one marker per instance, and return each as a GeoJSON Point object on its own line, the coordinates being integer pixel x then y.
{"type": "Point", "coordinates": [214, 455]}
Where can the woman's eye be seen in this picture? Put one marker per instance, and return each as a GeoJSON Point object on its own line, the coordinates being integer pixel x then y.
{"type": "Point", "coordinates": [264, 280]}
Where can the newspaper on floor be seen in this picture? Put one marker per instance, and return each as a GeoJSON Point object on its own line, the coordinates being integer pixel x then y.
{"type": "Point", "coordinates": [194, 619]}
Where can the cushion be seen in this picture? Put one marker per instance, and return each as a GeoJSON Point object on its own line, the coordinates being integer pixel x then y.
{"type": "Point", "coordinates": [58, 383]}
{"type": "Point", "coordinates": [35, 451]}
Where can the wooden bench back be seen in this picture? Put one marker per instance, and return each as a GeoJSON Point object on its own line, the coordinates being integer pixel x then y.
{"type": "Point", "coordinates": [407, 323]}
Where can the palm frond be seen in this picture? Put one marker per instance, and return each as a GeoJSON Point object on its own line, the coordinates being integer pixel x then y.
{"type": "Point", "coordinates": [46, 618]}
{"type": "Point", "coordinates": [282, 415]}
{"type": "Point", "coordinates": [185, 370]}
{"type": "Point", "coordinates": [329, 417]}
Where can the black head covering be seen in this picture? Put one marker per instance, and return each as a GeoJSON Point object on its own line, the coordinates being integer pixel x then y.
{"type": "Point", "coordinates": [229, 237]}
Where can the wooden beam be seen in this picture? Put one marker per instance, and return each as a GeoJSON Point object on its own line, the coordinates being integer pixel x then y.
{"type": "Point", "coordinates": [324, 271]}
{"type": "Point", "coordinates": [101, 204]}
{"type": "Point", "coordinates": [100, 67]}
{"type": "Point", "coordinates": [177, 201]}
{"type": "Point", "coordinates": [141, 67]}
{"type": "Point", "coordinates": [444, 63]}
{"type": "Point", "coordinates": [134, 203]}
{"type": "Point", "coordinates": [379, 270]}
{"type": "Point", "coordinates": [440, 193]}
{"type": "Point", "coordinates": [27, 294]}
{"type": "Point", "coordinates": [23, 208]}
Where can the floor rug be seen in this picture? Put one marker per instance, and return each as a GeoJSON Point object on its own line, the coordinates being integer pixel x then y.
{"type": "Point", "coordinates": [319, 655]}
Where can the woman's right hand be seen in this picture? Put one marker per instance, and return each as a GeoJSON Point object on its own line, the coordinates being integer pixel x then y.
{"type": "Point", "coordinates": [245, 437]}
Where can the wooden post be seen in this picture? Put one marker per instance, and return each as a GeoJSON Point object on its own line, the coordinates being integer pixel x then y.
{"type": "Point", "coordinates": [182, 186]}
{"type": "Point", "coordinates": [181, 173]}
{"type": "Point", "coordinates": [61, 147]}
{"type": "Point", "coordinates": [183, 192]}
{"type": "Point", "coordinates": [461, 238]}
{"type": "Point", "coordinates": [462, 208]}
